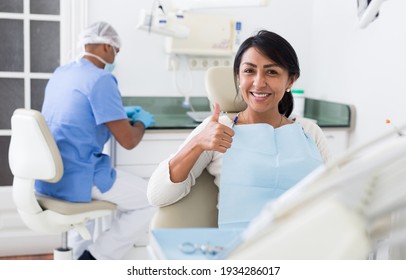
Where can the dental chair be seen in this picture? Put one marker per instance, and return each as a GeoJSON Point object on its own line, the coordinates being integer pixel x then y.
{"type": "Point", "coordinates": [197, 209]}
{"type": "Point", "coordinates": [34, 155]}
{"type": "Point", "coordinates": [220, 87]}
{"type": "Point", "coordinates": [323, 210]}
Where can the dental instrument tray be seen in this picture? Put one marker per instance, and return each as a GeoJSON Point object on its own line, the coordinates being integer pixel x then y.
{"type": "Point", "coordinates": [191, 243]}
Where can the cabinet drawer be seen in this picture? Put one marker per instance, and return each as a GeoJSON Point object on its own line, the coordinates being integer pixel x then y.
{"type": "Point", "coordinates": [154, 147]}
{"type": "Point", "coordinates": [143, 171]}
{"type": "Point", "coordinates": [337, 140]}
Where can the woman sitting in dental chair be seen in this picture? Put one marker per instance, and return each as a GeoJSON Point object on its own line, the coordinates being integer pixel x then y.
{"type": "Point", "coordinates": [259, 153]}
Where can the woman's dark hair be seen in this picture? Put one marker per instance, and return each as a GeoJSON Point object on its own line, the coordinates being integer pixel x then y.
{"type": "Point", "coordinates": [279, 50]}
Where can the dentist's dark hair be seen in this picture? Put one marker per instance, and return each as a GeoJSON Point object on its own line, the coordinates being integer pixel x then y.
{"type": "Point", "coordinates": [280, 51]}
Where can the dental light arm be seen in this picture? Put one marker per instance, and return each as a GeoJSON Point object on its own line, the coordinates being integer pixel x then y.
{"type": "Point", "coordinates": [166, 17]}
{"type": "Point", "coordinates": [163, 24]}
{"type": "Point", "coordinates": [187, 5]}
{"type": "Point", "coordinates": [360, 189]}
{"type": "Point", "coordinates": [368, 11]}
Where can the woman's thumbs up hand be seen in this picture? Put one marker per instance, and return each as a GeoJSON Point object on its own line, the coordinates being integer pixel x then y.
{"type": "Point", "coordinates": [216, 136]}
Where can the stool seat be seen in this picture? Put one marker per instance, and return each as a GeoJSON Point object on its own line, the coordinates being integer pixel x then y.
{"type": "Point", "coordinates": [34, 155]}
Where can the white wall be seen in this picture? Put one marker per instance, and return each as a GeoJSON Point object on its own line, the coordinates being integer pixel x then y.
{"type": "Point", "coordinates": [339, 61]}
{"type": "Point", "coordinates": [364, 67]}
{"type": "Point", "coordinates": [141, 67]}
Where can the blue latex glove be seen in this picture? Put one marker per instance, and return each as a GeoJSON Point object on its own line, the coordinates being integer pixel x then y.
{"type": "Point", "coordinates": [140, 115]}
{"type": "Point", "coordinates": [131, 110]}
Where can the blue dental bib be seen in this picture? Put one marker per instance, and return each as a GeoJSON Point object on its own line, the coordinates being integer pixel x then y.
{"type": "Point", "coordinates": [262, 163]}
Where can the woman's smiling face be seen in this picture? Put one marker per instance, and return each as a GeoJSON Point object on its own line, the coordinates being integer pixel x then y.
{"type": "Point", "coordinates": [262, 82]}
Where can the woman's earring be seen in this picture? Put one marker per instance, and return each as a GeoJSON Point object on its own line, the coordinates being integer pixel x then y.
{"type": "Point", "coordinates": [288, 90]}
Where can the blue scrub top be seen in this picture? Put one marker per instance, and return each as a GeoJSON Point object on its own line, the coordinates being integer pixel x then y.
{"type": "Point", "coordinates": [79, 99]}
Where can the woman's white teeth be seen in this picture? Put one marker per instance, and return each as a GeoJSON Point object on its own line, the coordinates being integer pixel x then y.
{"type": "Point", "coordinates": [260, 94]}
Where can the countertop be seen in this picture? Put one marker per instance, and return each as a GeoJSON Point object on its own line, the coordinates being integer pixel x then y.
{"type": "Point", "coordinates": [170, 112]}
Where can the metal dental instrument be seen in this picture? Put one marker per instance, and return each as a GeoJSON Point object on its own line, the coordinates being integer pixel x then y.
{"type": "Point", "coordinates": [191, 248]}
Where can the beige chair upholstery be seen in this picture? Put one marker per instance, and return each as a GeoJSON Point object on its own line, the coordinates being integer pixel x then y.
{"type": "Point", "coordinates": [33, 154]}
{"type": "Point", "coordinates": [197, 209]}
{"type": "Point", "coordinates": [220, 87]}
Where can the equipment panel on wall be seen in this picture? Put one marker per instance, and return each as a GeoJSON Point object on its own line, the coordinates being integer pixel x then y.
{"type": "Point", "coordinates": [210, 35]}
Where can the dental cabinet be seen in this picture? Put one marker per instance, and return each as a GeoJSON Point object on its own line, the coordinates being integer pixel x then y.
{"type": "Point", "coordinates": [173, 125]}
{"type": "Point", "coordinates": [337, 121]}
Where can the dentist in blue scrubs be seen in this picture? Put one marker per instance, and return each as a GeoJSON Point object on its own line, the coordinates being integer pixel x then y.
{"type": "Point", "coordinates": [256, 155]}
{"type": "Point", "coordinates": [83, 108]}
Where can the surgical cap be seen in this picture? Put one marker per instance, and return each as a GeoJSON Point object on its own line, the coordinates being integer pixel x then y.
{"type": "Point", "coordinates": [100, 33]}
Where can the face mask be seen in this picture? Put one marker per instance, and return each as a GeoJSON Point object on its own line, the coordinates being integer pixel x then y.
{"type": "Point", "coordinates": [107, 66]}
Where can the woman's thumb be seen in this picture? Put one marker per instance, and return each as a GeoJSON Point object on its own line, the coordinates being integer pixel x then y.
{"type": "Point", "coordinates": [216, 114]}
